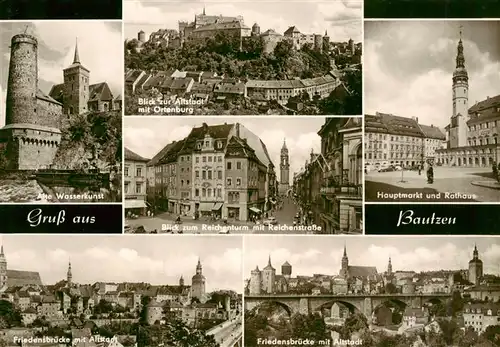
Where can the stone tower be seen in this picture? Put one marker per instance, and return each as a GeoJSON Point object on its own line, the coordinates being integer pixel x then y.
{"type": "Point", "coordinates": [255, 285]}
{"type": "Point", "coordinates": [269, 278]}
{"type": "Point", "coordinates": [318, 42]}
{"type": "Point", "coordinates": [460, 98]}
{"type": "Point", "coordinates": [389, 267]}
{"type": "Point", "coordinates": [3, 269]}
{"type": "Point", "coordinates": [22, 85]}
{"type": "Point", "coordinates": [326, 42]}
{"type": "Point", "coordinates": [69, 275]}
{"type": "Point", "coordinates": [475, 267]}
{"type": "Point", "coordinates": [284, 169]}
{"type": "Point", "coordinates": [286, 270]}
{"type": "Point", "coordinates": [344, 270]}
{"type": "Point", "coordinates": [181, 281]}
{"type": "Point", "coordinates": [31, 134]}
{"type": "Point", "coordinates": [141, 36]}
{"type": "Point", "coordinates": [76, 87]}
{"type": "Point", "coordinates": [255, 29]}
{"type": "Point", "coordinates": [198, 283]}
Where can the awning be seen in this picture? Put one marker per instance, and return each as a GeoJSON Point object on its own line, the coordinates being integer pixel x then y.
{"type": "Point", "coordinates": [135, 204]}
{"type": "Point", "coordinates": [217, 206]}
{"type": "Point", "coordinates": [205, 207]}
{"type": "Point", "coordinates": [254, 209]}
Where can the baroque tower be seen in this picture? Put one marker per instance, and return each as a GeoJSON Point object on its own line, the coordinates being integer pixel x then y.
{"type": "Point", "coordinates": [269, 278]}
{"type": "Point", "coordinates": [389, 267]}
{"type": "Point", "coordinates": [284, 168]}
{"type": "Point", "coordinates": [475, 267]}
{"type": "Point", "coordinates": [181, 281]}
{"type": "Point", "coordinates": [198, 283]}
{"type": "Point", "coordinates": [3, 269]}
{"type": "Point", "coordinates": [460, 98]}
{"type": "Point", "coordinates": [344, 270]}
{"type": "Point", "coordinates": [76, 87]}
{"type": "Point", "coordinates": [69, 275]}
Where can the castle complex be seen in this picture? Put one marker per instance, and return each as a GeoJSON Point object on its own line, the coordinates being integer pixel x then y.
{"type": "Point", "coordinates": [362, 279]}
{"type": "Point", "coordinates": [32, 132]}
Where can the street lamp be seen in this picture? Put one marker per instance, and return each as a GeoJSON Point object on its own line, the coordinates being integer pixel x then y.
{"type": "Point", "coordinates": [403, 168]}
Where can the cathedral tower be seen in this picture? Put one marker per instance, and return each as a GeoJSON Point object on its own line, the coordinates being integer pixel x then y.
{"type": "Point", "coordinates": [460, 98]}
{"type": "Point", "coordinates": [198, 283]}
{"type": "Point", "coordinates": [69, 275]}
{"type": "Point", "coordinates": [76, 87]}
{"type": "Point", "coordinates": [284, 169]}
{"type": "Point", "coordinates": [344, 270]}
{"type": "Point", "coordinates": [389, 267]}
{"type": "Point", "coordinates": [475, 267]}
{"type": "Point", "coordinates": [3, 269]}
{"type": "Point", "coordinates": [269, 278]}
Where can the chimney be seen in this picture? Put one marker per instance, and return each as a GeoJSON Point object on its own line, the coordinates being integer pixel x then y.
{"type": "Point", "coordinates": [237, 129]}
{"type": "Point", "coordinates": [205, 126]}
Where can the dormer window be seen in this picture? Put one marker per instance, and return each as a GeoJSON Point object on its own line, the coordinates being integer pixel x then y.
{"type": "Point", "coordinates": [198, 145]}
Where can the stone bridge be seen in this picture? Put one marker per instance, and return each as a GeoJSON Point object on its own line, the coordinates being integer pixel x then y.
{"type": "Point", "coordinates": [364, 303]}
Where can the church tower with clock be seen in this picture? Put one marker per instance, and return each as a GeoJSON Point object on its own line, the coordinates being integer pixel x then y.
{"type": "Point", "coordinates": [284, 170]}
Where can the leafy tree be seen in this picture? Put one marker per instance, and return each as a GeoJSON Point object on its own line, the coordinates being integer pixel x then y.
{"type": "Point", "coordinates": [103, 307]}
{"type": "Point", "coordinates": [492, 334]}
{"type": "Point", "coordinates": [9, 316]}
{"type": "Point", "coordinates": [354, 322]}
{"type": "Point", "coordinates": [390, 288]}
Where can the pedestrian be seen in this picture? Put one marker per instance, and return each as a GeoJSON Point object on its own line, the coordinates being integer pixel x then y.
{"type": "Point", "coordinates": [419, 170]}
{"type": "Point", "coordinates": [430, 174]}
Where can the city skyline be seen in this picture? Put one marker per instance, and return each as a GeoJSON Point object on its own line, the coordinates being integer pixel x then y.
{"type": "Point", "coordinates": [132, 258]}
{"type": "Point", "coordinates": [300, 134]}
{"type": "Point", "coordinates": [342, 19]}
{"type": "Point", "coordinates": [418, 77]}
{"type": "Point", "coordinates": [56, 49]}
{"type": "Point", "coordinates": [310, 256]}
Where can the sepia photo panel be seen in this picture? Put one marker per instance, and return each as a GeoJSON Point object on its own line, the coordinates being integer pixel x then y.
{"type": "Point", "coordinates": [243, 58]}
{"type": "Point", "coordinates": [371, 291]}
{"type": "Point", "coordinates": [60, 112]}
{"type": "Point", "coordinates": [431, 133]}
{"type": "Point", "coordinates": [148, 290]}
{"type": "Point", "coordinates": [250, 175]}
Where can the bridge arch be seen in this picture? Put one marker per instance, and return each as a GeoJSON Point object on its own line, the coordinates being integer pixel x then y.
{"type": "Point", "coordinates": [388, 312]}
{"type": "Point", "coordinates": [328, 304]}
{"type": "Point", "coordinates": [275, 303]}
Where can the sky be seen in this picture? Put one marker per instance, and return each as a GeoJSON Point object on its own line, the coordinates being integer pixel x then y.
{"type": "Point", "coordinates": [409, 66]}
{"type": "Point", "coordinates": [100, 47]}
{"type": "Point", "coordinates": [301, 135]}
{"type": "Point", "coordinates": [128, 258]}
{"type": "Point", "coordinates": [342, 18]}
{"type": "Point", "coordinates": [322, 255]}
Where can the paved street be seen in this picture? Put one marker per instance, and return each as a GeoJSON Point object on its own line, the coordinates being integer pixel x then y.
{"type": "Point", "coordinates": [227, 333]}
{"type": "Point", "coordinates": [164, 222]}
{"type": "Point", "coordinates": [450, 185]}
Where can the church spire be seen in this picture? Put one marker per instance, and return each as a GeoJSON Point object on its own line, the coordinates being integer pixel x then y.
{"type": "Point", "coordinates": [284, 143]}
{"type": "Point", "coordinates": [269, 261]}
{"type": "Point", "coordinates": [69, 274]}
{"type": "Point", "coordinates": [345, 250]}
{"type": "Point", "coordinates": [1, 252]}
{"type": "Point", "coordinates": [204, 10]}
{"type": "Point", "coordinates": [76, 59]}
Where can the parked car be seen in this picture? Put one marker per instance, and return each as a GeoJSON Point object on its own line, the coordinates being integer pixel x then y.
{"type": "Point", "coordinates": [270, 221]}
{"type": "Point", "coordinates": [386, 169]}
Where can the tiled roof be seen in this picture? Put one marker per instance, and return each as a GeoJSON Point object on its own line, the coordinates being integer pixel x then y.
{"type": "Point", "coordinates": [432, 132]}
{"type": "Point", "coordinates": [22, 278]}
{"type": "Point", "coordinates": [133, 75]}
{"type": "Point", "coordinates": [172, 153]}
{"type": "Point", "coordinates": [160, 154]}
{"type": "Point", "coordinates": [239, 148]}
{"type": "Point", "coordinates": [292, 30]}
{"type": "Point", "coordinates": [362, 271]}
{"type": "Point", "coordinates": [129, 155]}
{"type": "Point", "coordinates": [57, 92]}
{"type": "Point", "coordinates": [485, 110]}
{"type": "Point", "coordinates": [100, 92]}
{"type": "Point", "coordinates": [222, 26]}
{"type": "Point", "coordinates": [226, 88]}
{"type": "Point", "coordinates": [487, 103]}
{"type": "Point", "coordinates": [275, 84]}
{"type": "Point", "coordinates": [270, 32]}
{"type": "Point", "coordinates": [391, 124]}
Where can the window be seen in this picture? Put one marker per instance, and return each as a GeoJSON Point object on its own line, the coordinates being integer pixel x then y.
{"type": "Point", "coordinates": [138, 188]}
{"type": "Point", "coordinates": [197, 174]}
{"type": "Point", "coordinates": [229, 165]}
{"type": "Point", "coordinates": [238, 165]}
{"type": "Point", "coordinates": [219, 174]}
{"type": "Point", "coordinates": [198, 145]}
{"type": "Point", "coordinates": [182, 183]}
{"type": "Point", "coordinates": [203, 192]}
{"type": "Point", "coordinates": [126, 188]}
{"type": "Point", "coordinates": [219, 192]}
{"type": "Point", "coordinates": [204, 174]}
{"type": "Point", "coordinates": [220, 158]}
{"type": "Point", "coordinates": [229, 182]}
{"type": "Point", "coordinates": [207, 143]}
{"type": "Point", "coordinates": [209, 192]}
{"type": "Point", "coordinates": [209, 174]}
{"type": "Point", "coordinates": [197, 160]}
{"type": "Point", "coordinates": [238, 181]}
{"type": "Point", "coordinates": [126, 171]}
{"type": "Point", "coordinates": [209, 158]}
{"type": "Point", "coordinates": [196, 192]}
{"type": "Point", "coordinates": [139, 172]}
{"type": "Point", "coordinates": [187, 182]}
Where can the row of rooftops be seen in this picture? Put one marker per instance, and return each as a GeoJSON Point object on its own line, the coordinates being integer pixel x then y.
{"type": "Point", "coordinates": [395, 125]}
{"type": "Point", "coordinates": [209, 81]}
